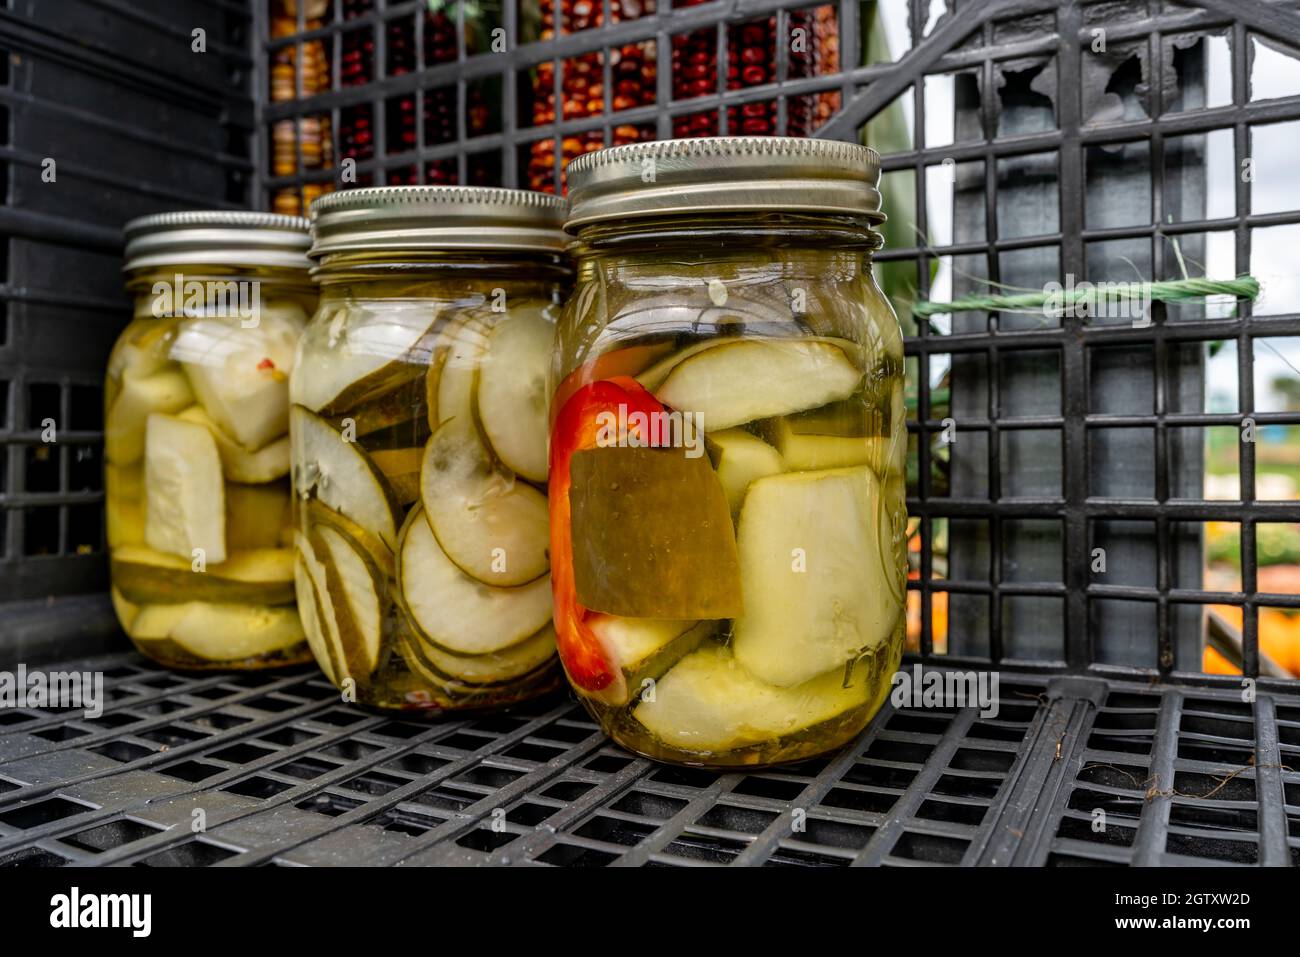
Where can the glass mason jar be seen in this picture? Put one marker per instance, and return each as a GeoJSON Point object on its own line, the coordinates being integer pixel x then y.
{"type": "Point", "coordinates": [418, 432]}
{"type": "Point", "coordinates": [196, 443]}
{"type": "Point", "coordinates": [728, 449]}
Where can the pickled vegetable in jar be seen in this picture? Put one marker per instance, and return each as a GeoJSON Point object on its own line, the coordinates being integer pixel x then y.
{"type": "Point", "coordinates": [728, 449]}
{"type": "Point", "coordinates": [419, 445]}
{"type": "Point", "coordinates": [196, 443]}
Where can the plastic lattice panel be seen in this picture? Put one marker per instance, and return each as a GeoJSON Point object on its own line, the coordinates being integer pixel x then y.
{"type": "Point", "coordinates": [283, 773]}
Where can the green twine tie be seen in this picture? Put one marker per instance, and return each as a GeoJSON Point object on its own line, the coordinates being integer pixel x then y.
{"type": "Point", "coordinates": [1174, 290]}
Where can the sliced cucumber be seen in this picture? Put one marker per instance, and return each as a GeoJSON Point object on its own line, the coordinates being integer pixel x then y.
{"type": "Point", "coordinates": [184, 490]}
{"type": "Point", "coordinates": [221, 632]}
{"type": "Point", "coordinates": [708, 703]}
{"type": "Point", "coordinates": [317, 574]}
{"type": "Point", "coordinates": [642, 648]}
{"type": "Point", "coordinates": [630, 642]}
{"type": "Point", "coordinates": [356, 590]}
{"type": "Point", "coordinates": [802, 453]}
{"type": "Point", "coordinates": [309, 612]}
{"type": "Point", "coordinates": [357, 357]}
{"type": "Point", "coordinates": [837, 436]}
{"type": "Point", "coordinates": [126, 611]}
{"type": "Point", "coordinates": [155, 622]}
{"type": "Point", "coordinates": [452, 609]}
{"type": "Point", "coordinates": [653, 377]}
{"type": "Point", "coordinates": [370, 543]}
{"type": "Point", "coordinates": [817, 592]}
{"type": "Point", "coordinates": [142, 352]}
{"type": "Point", "coordinates": [267, 464]}
{"type": "Point", "coordinates": [462, 347]}
{"type": "Point", "coordinates": [261, 576]}
{"type": "Point", "coordinates": [493, 526]}
{"type": "Point", "coordinates": [740, 381]}
{"type": "Point", "coordinates": [166, 391]}
{"type": "Point", "coordinates": [512, 391]}
{"type": "Point", "coordinates": [441, 667]}
{"type": "Point", "coordinates": [432, 379]}
{"type": "Point", "coordinates": [740, 459]}
{"type": "Point", "coordinates": [241, 375]}
{"type": "Point", "coordinates": [341, 475]}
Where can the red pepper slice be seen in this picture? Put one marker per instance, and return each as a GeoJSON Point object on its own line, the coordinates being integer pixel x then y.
{"type": "Point", "coordinates": [576, 427]}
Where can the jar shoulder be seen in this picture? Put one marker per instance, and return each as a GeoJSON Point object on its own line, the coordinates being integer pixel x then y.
{"type": "Point", "coordinates": [678, 307]}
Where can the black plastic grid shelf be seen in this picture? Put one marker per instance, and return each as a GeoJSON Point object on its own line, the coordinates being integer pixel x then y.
{"type": "Point", "coordinates": [279, 772]}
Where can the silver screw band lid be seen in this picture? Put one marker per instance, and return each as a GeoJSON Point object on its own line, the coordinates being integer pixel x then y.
{"type": "Point", "coordinates": [217, 238]}
{"type": "Point", "coordinates": [725, 174]}
{"type": "Point", "coordinates": [436, 218]}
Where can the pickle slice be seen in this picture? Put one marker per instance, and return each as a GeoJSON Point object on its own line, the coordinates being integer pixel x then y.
{"type": "Point", "coordinates": [355, 591]}
{"type": "Point", "coordinates": [309, 612]}
{"type": "Point", "coordinates": [220, 632]}
{"type": "Point", "coordinates": [267, 464]}
{"type": "Point", "coordinates": [455, 611]}
{"type": "Point", "coordinates": [240, 374]}
{"type": "Point", "coordinates": [643, 648]}
{"type": "Point", "coordinates": [817, 589]}
{"type": "Point", "coordinates": [709, 703]}
{"type": "Point", "coordinates": [512, 391]}
{"type": "Point", "coordinates": [143, 352]}
{"type": "Point", "coordinates": [843, 434]}
{"type": "Point", "coordinates": [432, 379]}
{"type": "Point", "coordinates": [185, 504]}
{"type": "Point", "coordinates": [653, 377]}
{"type": "Point", "coordinates": [802, 453]}
{"type": "Point", "coordinates": [493, 526]}
{"type": "Point", "coordinates": [442, 668]}
{"type": "Point", "coordinates": [652, 535]}
{"type": "Point", "coordinates": [126, 611]}
{"type": "Point", "coordinates": [462, 344]}
{"type": "Point", "coordinates": [256, 576]}
{"type": "Point", "coordinates": [365, 356]}
{"type": "Point", "coordinates": [744, 380]}
{"type": "Point", "coordinates": [339, 670]}
{"type": "Point", "coordinates": [740, 459]}
{"type": "Point", "coordinates": [369, 542]}
{"type": "Point", "coordinates": [341, 475]}
{"type": "Point", "coordinates": [140, 397]}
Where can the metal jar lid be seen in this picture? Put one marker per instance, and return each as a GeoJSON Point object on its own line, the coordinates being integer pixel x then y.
{"type": "Point", "coordinates": [436, 218]}
{"type": "Point", "coordinates": [725, 174]}
{"type": "Point", "coordinates": [217, 238]}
